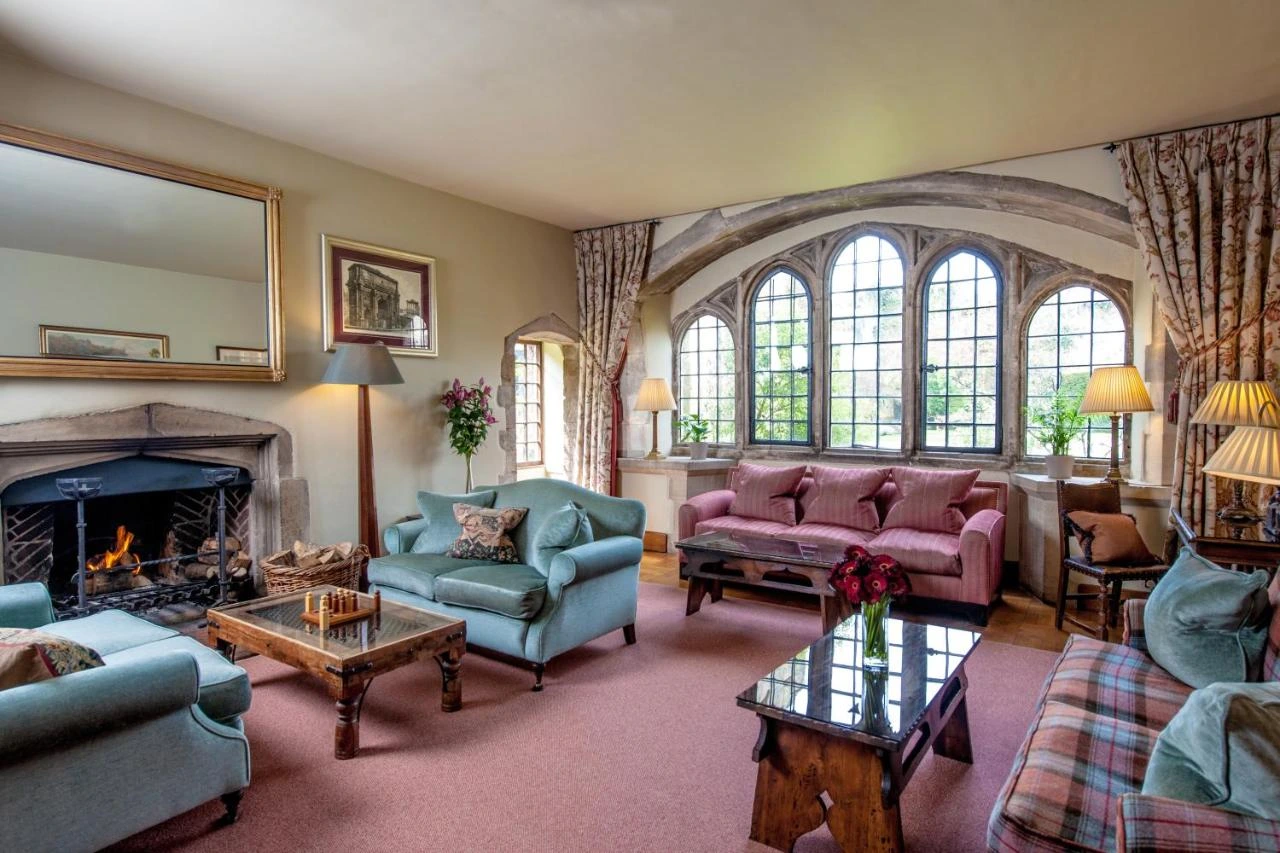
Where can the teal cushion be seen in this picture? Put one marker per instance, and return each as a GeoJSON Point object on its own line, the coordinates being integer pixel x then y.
{"type": "Point", "coordinates": [1206, 624]}
{"type": "Point", "coordinates": [512, 589]}
{"type": "Point", "coordinates": [567, 527]}
{"type": "Point", "coordinates": [1222, 749]}
{"type": "Point", "coordinates": [224, 687]}
{"type": "Point", "coordinates": [110, 631]}
{"type": "Point", "coordinates": [442, 527]}
{"type": "Point", "coordinates": [415, 573]}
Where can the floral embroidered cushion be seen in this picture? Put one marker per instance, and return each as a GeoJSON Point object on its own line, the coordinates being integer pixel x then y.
{"type": "Point", "coordinates": [28, 656]}
{"type": "Point", "coordinates": [930, 499]}
{"type": "Point", "coordinates": [484, 533]}
{"type": "Point", "coordinates": [766, 491]}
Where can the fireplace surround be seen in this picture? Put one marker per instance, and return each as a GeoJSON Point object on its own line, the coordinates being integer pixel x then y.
{"type": "Point", "coordinates": [166, 446]}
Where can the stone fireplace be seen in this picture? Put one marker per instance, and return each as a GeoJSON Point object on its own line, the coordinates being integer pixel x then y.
{"type": "Point", "coordinates": [156, 510]}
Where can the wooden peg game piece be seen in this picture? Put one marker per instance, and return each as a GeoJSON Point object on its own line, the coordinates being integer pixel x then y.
{"type": "Point", "coordinates": [324, 613]}
{"type": "Point", "coordinates": [377, 601]}
{"type": "Point", "coordinates": [308, 603]}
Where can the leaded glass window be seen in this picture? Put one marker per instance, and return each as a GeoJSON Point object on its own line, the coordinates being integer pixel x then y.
{"type": "Point", "coordinates": [528, 388]}
{"type": "Point", "coordinates": [780, 363]}
{"type": "Point", "coordinates": [707, 375]}
{"type": "Point", "coordinates": [962, 355]}
{"type": "Point", "coordinates": [865, 311]}
{"type": "Point", "coordinates": [1074, 331]}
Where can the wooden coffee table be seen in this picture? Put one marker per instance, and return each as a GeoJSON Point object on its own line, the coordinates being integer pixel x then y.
{"type": "Point", "coordinates": [346, 658]}
{"type": "Point", "coordinates": [710, 559]}
{"type": "Point", "coordinates": [828, 725]}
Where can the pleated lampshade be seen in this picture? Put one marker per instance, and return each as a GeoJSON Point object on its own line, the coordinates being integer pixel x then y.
{"type": "Point", "coordinates": [1115, 390]}
{"type": "Point", "coordinates": [655, 396]}
{"type": "Point", "coordinates": [1250, 453]}
{"type": "Point", "coordinates": [1237, 403]}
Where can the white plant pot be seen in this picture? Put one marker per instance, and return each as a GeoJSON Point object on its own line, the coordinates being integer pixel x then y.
{"type": "Point", "coordinates": [1059, 467]}
{"type": "Point", "coordinates": [697, 450]}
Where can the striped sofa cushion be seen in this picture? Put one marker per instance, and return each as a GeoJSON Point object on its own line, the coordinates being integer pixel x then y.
{"type": "Point", "coordinates": [768, 492]}
{"type": "Point", "coordinates": [1116, 681]}
{"type": "Point", "coordinates": [1062, 792]}
{"type": "Point", "coordinates": [930, 500]}
{"type": "Point", "coordinates": [844, 496]}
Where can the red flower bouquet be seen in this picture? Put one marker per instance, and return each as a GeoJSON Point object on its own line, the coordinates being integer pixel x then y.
{"type": "Point", "coordinates": [871, 581]}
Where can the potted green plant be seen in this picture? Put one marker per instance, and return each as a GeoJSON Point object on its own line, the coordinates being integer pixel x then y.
{"type": "Point", "coordinates": [693, 430]}
{"type": "Point", "coordinates": [1057, 423]}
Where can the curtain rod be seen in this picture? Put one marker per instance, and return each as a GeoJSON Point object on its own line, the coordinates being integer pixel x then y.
{"type": "Point", "coordinates": [654, 222]}
{"type": "Point", "coordinates": [1112, 146]}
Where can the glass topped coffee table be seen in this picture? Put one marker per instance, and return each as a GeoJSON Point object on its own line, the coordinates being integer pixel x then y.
{"type": "Point", "coordinates": [829, 725]}
{"type": "Point", "coordinates": [348, 657]}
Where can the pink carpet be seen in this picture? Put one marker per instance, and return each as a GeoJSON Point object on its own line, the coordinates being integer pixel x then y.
{"type": "Point", "coordinates": [637, 748]}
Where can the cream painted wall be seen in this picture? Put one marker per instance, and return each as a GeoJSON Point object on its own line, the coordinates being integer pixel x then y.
{"type": "Point", "coordinates": [198, 312]}
{"type": "Point", "coordinates": [497, 271]}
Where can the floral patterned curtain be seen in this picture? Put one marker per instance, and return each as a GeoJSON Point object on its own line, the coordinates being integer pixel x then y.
{"type": "Point", "coordinates": [1205, 203]}
{"type": "Point", "coordinates": [611, 265]}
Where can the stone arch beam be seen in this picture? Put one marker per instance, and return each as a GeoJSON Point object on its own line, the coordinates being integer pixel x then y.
{"type": "Point", "coordinates": [713, 235]}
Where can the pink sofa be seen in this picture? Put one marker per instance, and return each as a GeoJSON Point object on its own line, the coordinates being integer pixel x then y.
{"type": "Point", "coordinates": [963, 567]}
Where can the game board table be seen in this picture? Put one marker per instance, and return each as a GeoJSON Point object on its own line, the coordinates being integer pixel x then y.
{"type": "Point", "coordinates": [346, 658]}
{"type": "Point", "coordinates": [828, 724]}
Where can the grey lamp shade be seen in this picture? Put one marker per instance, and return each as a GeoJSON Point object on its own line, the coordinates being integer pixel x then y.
{"type": "Point", "coordinates": [362, 364]}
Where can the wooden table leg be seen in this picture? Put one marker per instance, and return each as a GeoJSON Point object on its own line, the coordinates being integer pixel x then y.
{"type": "Point", "coordinates": [953, 741]}
{"type": "Point", "coordinates": [451, 679]}
{"type": "Point", "coordinates": [697, 589]}
{"type": "Point", "coordinates": [346, 735]}
{"type": "Point", "coordinates": [717, 591]}
{"type": "Point", "coordinates": [835, 609]}
{"type": "Point", "coordinates": [796, 766]}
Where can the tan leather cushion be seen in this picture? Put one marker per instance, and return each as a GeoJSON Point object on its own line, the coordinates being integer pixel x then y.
{"type": "Point", "coordinates": [1110, 538]}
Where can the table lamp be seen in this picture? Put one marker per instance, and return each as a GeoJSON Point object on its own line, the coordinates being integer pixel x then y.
{"type": "Point", "coordinates": [655, 396]}
{"type": "Point", "coordinates": [1252, 451]}
{"type": "Point", "coordinates": [363, 365]}
{"type": "Point", "coordinates": [1115, 391]}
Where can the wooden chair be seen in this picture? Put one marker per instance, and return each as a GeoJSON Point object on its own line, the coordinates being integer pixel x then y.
{"type": "Point", "coordinates": [1096, 497]}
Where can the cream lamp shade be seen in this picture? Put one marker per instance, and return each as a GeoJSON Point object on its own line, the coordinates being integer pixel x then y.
{"type": "Point", "coordinates": [655, 396]}
{"type": "Point", "coordinates": [1113, 390]}
{"type": "Point", "coordinates": [1250, 453]}
{"type": "Point", "coordinates": [1239, 404]}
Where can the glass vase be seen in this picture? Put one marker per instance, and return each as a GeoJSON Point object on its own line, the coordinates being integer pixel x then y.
{"type": "Point", "coordinates": [470, 478]}
{"type": "Point", "coordinates": [875, 645]}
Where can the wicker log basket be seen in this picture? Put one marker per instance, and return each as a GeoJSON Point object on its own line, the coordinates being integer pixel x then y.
{"type": "Point", "coordinates": [304, 566]}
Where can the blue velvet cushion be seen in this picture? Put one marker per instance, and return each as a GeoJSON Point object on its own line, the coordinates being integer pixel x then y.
{"type": "Point", "coordinates": [512, 589]}
{"type": "Point", "coordinates": [1206, 624]}
{"type": "Point", "coordinates": [415, 573]}
{"type": "Point", "coordinates": [1222, 749]}
{"type": "Point", "coordinates": [442, 527]}
{"type": "Point", "coordinates": [567, 527]}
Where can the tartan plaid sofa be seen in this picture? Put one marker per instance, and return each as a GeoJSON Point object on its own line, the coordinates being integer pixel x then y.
{"type": "Point", "coordinates": [1077, 780]}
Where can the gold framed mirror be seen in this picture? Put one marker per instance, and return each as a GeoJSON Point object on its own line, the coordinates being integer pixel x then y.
{"type": "Point", "coordinates": [117, 266]}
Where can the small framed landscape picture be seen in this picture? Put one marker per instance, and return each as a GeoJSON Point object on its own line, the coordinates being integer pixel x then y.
{"type": "Point", "coordinates": [242, 355]}
{"type": "Point", "coordinates": [70, 342]}
{"type": "Point", "coordinates": [374, 294]}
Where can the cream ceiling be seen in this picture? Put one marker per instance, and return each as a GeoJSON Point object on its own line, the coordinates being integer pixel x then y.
{"type": "Point", "coordinates": [585, 112]}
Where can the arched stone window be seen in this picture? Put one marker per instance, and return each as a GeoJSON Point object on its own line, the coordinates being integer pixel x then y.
{"type": "Point", "coordinates": [961, 382]}
{"type": "Point", "coordinates": [865, 333]}
{"type": "Point", "coordinates": [781, 358]}
{"type": "Point", "coordinates": [1075, 330]}
{"type": "Point", "coordinates": [708, 371]}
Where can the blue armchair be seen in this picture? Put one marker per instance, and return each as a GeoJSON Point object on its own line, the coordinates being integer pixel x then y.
{"type": "Point", "coordinates": [90, 758]}
{"type": "Point", "coordinates": [518, 610]}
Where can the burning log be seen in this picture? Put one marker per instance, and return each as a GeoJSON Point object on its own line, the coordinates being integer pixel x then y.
{"type": "Point", "coordinates": [117, 556]}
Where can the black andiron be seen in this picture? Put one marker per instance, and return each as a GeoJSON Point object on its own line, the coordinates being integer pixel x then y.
{"type": "Point", "coordinates": [81, 489]}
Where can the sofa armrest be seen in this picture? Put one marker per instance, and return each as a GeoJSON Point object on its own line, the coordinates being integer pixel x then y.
{"type": "Point", "coordinates": [1160, 825]}
{"type": "Point", "coordinates": [702, 507]}
{"type": "Point", "coordinates": [982, 554]}
{"type": "Point", "coordinates": [75, 707]}
{"type": "Point", "coordinates": [594, 559]}
{"type": "Point", "coordinates": [399, 537]}
{"type": "Point", "coordinates": [1135, 634]}
{"type": "Point", "coordinates": [25, 605]}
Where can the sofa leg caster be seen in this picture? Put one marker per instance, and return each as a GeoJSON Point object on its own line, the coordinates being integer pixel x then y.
{"type": "Point", "coordinates": [538, 669]}
{"type": "Point", "coordinates": [629, 634]}
{"type": "Point", "coordinates": [232, 802]}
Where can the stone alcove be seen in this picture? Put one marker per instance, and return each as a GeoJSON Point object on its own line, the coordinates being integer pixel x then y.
{"type": "Point", "coordinates": [552, 329]}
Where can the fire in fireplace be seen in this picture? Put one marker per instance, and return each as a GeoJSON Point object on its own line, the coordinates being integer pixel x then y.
{"type": "Point", "coordinates": [136, 533]}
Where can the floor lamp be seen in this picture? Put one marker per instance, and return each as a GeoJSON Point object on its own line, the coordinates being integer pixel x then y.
{"type": "Point", "coordinates": [363, 365]}
{"type": "Point", "coordinates": [1115, 391]}
{"type": "Point", "coordinates": [1253, 409]}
